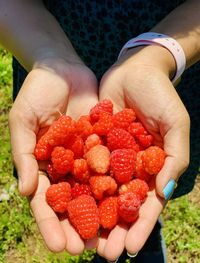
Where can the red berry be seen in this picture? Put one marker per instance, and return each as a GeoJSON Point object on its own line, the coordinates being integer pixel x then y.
{"type": "Point", "coordinates": [108, 212]}
{"type": "Point", "coordinates": [122, 163]}
{"type": "Point", "coordinates": [153, 159]}
{"type": "Point", "coordinates": [104, 124]}
{"type": "Point", "coordinates": [136, 128]}
{"type": "Point", "coordinates": [84, 127]}
{"type": "Point", "coordinates": [102, 106]}
{"type": "Point", "coordinates": [135, 186]}
{"type": "Point", "coordinates": [80, 189]}
{"type": "Point", "coordinates": [54, 176]}
{"type": "Point", "coordinates": [145, 140]}
{"type": "Point", "coordinates": [60, 131]}
{"type": "Point", "coordinates": [58, 196]}
{"type": "Point", "coordinates": [98, 158]}
{"type": "Point", "coordinates": [122, 119]}
{"type": "Point", "coordinates": [119, 138]}
{"type": "Point", "coordinates": [81, 170]}
{"type": "Point", "coordinates": [140, 173]}
{"type": "Point", "coordinates": [102, 185]}
{"type": "Point", "coordinates": [76, 145]}
{"type": "Point", "coordinates": [84, 216]}
{"type": "Point", "coordinates": [128, 206]}
{"type": "Point", "coordinates": [62, 160]}
{"type": "Point", "coordinates": [43, 149]}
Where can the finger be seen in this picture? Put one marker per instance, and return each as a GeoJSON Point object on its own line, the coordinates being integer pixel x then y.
{"type": "Point", "coordinates": [23, 142]}
{"type": "Point", "coordinates": [47, 221]}
{"type": "Point", "coordinates": [75, 245]}
{"type": "Point", "coordinates": [83, 96]}
{"type": "Point", "coordinates": [141, 229]}
{"type": "Point", "coordinates": [176, 146]}
{"type": "Point", "coordinates": [110, 249]}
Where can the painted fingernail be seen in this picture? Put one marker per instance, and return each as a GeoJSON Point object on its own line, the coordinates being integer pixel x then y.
{"type": "Point", "coordinates": [132, 255]}
{"type": "Point", "coordinates": [169, 189]}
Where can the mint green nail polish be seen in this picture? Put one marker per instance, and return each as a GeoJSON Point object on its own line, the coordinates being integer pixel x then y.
{"type": "Point", "coordinates": [169, 188]}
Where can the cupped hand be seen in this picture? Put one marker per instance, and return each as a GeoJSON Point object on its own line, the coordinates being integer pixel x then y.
{"type": "Point", "coordinates": [142, 83]}
{"type": "Point", "coordinates": [50, 89]}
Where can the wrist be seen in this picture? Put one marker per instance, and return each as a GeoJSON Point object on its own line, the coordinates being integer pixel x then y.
{"type": "Point", "coordinates": [155, 56]}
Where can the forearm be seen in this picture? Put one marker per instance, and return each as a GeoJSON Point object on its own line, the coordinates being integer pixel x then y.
{"type": "Point", "coordinates": [32, 34]}
{"type": "Point", "coordinates": [183, 24]}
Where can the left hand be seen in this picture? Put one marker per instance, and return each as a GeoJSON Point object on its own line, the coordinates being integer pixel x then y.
{"type": "Point", "coordinates": [141, 81]}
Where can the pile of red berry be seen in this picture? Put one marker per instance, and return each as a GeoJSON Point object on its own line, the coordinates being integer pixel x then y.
{"type": "Point", "coordinates": [99, 167]}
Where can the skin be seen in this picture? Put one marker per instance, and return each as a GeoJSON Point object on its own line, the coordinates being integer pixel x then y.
{"type": "Point", "coordinates": [57, 80]}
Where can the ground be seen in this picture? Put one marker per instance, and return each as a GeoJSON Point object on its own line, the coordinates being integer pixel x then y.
{"type": "Point", "coordinates": [20, 241]}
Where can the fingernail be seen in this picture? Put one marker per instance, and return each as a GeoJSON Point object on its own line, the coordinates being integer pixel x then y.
{"type": "Point", "coordinates": [169, 189]}
{"type": "Point", "coordinates": [115, 261]}
{"type": "Point", "coordinates": [132, 255]}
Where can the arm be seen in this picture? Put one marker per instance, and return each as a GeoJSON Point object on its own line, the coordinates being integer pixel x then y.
{"type": "Point", "coordinates": [141, 80]}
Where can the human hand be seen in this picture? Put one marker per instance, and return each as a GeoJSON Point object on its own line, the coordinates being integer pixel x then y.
{"type": "Point", "coordinates": [141, 81]}
{"type": "Point", "coordinates": [51, 88]}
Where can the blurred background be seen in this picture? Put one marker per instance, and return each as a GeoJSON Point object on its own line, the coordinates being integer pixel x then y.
{"type": "Point", "coordinates": [20, 241]}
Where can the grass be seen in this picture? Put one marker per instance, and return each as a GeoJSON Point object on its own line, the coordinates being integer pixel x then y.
{"type": "Point", "coordinates": [20, 240]}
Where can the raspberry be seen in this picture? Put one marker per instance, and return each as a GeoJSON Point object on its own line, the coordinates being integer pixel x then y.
{"type": "Point", "coordinates": [140, 173]}
{"type": "Point", "coordinates": [104, 124]}
{"type": "Point", "coordinates": [54, 176]}
{"type": "Point", "coordinates": [102, 185]}
{"type": "Point", "coordinates": [80, 189]}
{"type": "Point", "coordinates": [128, 206]}
{"type": "Point", "coordinates": [91, 141]}
{"type": "Point", "coordinates": [84, 216]}
{"type": "Point", "coordinates": [60, 131]}
{"type": "Point", "coordinates": [122, 119]}
{"type": "Point", "coordinates": [153, 159]}
{"type": "Point", "coordinates": [76, 145]}
{"type": "Point", "coordinates": [145, 140]}
{"type": "Point", "coordinates": [102, 106]}
{"type": "Point", "coordinates": [58, 196]}
{"type": "Point", "coordinates": [135, 186]}
{"type": "Point", "coordinates": [81, 170]}
{"type": "Point", "coordinates": [119, 138]}
{"type": "Point", "coordinates": [108, 212]}
{"type": "Point", "coordinates": [84, 127]}
{"type": "Point", "coordinates": [122, 163]}
{"type": "Point", "coordinates": [62, 160]}
{"type": "Point", "coordinates": [136, 128]}
{"type": "Point", "coordinates": [43, 149]}
{"type": "Point", "coordinates": [98, 158]}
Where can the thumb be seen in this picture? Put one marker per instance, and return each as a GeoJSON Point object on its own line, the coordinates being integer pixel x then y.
{"type": "Point", "coordinates": [23, 140]}
{"type": "Point", "coordinates": [176, 146]}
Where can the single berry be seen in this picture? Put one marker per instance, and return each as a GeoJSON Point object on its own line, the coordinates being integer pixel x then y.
{"type": "Point", "coordinates": [62, 160]}
{"type": "Point", "coordinates": [58, 196]}
{"type": "Point", "coordinates": [136, 128]}
{"type": "Point", "coordinates": [102, 185]}
{"type": "Point", "coordinates": [54, 176]}
{"type": "Point", "coordinates": [60, 131]}
{"type": "Point", "coordinates": [123, 119]}
{"type": "Point", "coordinates": [104, 124]}
{"type": "Point", "coordinates": [91, 141]}
{"type": "Point", "coordinates": [81, 171]}
{"type": "Point", "coordinates": [108, 212]}
{"type": "Point", "coordinates": [80, 189]}
{"type": "Point", "coordinates": [84, 216]}
{"type": "Point", "coordinates": [102, 106]}
{"type": "Point", "coordinates": [43, 149]}
{"type": "Point", "coordinates": [98, 158]}
{"type": "Point", "coordinates": [145, 140]}
{"type": "Point", "coordinates": [84, 127]}
{"type": "Point", "coordinates": [128, 206]}
{"type": "Point", "coordinates": [153, 159]}
{"type": "Point", "coordinates": [122, 163]}
{"type": "Point", "coordinates": [119, 138]}
{"type": "Point", "coordinates": [135, 186]}
{"type": "Point", "coordinates": [140, 172]}
{"type": "Point", "coordinates": [76, 145]}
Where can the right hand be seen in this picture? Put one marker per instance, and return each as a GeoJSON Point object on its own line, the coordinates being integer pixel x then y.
{"type": "Point", "coordinates": [52, 88]}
